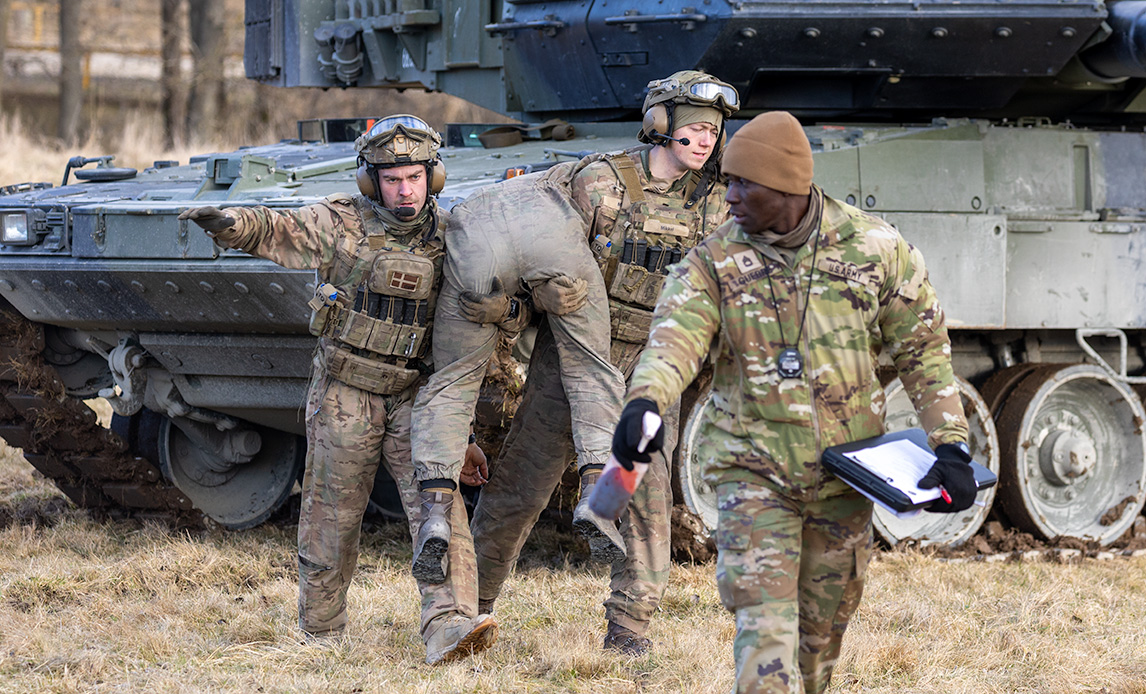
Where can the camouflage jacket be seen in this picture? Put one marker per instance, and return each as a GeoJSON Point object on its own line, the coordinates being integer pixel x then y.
{"type": "Point", "coordinates": [649, 228]}
{"type": "Point", "coordinates": [386, 275]}
{"type": "Point", "coordinates": [868, 290]}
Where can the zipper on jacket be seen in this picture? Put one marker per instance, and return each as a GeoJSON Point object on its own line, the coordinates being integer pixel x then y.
{"type": "Point", "coordinates": [811, 387]}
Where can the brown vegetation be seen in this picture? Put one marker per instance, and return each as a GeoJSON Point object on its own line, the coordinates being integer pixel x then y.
{"type": "Point", "coordinates": [130, 606]}
{"type": "Point", "coordinates": [122, 52]}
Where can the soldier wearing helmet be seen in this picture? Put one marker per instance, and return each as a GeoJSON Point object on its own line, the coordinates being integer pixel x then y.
{"type": "Point", "coordinates": [646, 207]}
{"type": "Point", "coordinates": [378, 259]}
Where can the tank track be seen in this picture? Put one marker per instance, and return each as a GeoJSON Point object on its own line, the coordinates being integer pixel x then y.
{"type": "Point", "coordinates": [62, 438]}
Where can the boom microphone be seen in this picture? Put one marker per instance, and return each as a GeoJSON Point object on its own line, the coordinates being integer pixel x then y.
{"type": "Point", "coordinates": [684, 140]}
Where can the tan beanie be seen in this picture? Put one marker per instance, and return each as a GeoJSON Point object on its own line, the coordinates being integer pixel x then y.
{"type": "Point", "coordinates": [687, 114]}
{"type": "Point", "coordinates": [772, 150]}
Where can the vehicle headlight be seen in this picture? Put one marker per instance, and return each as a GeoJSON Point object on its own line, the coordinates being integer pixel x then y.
{"type": "Point", "coordinates": [14, 228]}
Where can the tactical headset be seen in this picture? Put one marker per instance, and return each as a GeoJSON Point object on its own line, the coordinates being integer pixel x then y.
{"type": "Point", "coordinates": [684, 87]}
{"type": "Point", "coordinates": [398, 141]}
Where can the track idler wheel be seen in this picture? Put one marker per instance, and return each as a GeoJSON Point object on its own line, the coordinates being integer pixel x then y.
{"type": "Point", "coordinates": [1073, 454]}
{"type": "Point", "coordinates": [237, 495]}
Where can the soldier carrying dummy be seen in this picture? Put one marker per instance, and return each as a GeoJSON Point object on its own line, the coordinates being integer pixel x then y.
{"type": "Point", "coordinates": [644, 208]}
{"type": "Point", "coordinates": [379, 259]}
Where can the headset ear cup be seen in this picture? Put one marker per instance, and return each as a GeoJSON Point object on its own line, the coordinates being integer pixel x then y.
{"type": "Point", "coordinates": [655, 120]}
{"type": "Point", "coordinates": [437, 176]}
{"type": "Point", "coordinates": [366, 185]}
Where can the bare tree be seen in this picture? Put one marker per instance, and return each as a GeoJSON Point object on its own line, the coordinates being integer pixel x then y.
{"type": "Point", "coordinates": [3, 43]}
{"type": "Point", "coordinates": [208, 47]}
{"type": "Point", "coordinates": [171, 79]}
{"type": "Point", "coordinates": [71, 77]}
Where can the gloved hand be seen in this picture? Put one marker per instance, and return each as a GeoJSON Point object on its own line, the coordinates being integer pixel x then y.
{"type": "Point", "coordinates": [627, 435]}
{"type": "Point", "coordinates": [953, 471]}
{"type": "Point", "coordinates": [493, 307]}
{"type": "Point", "coordinates": [560, 295]}
{"type": "Point", "coordinates": [212, 219]}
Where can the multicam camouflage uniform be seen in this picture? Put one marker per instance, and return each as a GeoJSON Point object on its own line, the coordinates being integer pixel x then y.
{"type": "Point", "coordinates": [371, 359]}
{"type": "Point", "coordinates": [623, 203]}
{"type": "Point", "coordinates": [794, 541]}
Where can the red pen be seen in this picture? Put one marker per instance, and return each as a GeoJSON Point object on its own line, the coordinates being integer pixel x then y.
{"type": "Point", "coordinates": [943, 493]}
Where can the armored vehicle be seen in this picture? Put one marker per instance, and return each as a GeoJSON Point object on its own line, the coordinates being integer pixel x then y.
{"type": "Point", "coordinates": [203, 352]}
{"type": "Point", "coordinates": [1004, 139]}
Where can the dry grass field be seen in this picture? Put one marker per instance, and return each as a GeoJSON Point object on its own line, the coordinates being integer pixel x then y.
{"type": "Point", "coordinates": [128, 606]}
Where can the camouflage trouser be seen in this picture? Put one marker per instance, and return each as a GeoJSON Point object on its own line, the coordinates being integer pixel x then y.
{"type": "Point", "coordinates": [532, 460]}
{"type": "Point", "coordinates": [349, 431]}
{"type": "Point", "coordinates": [639, 580]}
{"type": "Point", "coordinates": [529, 231]}
{"type": "Point", "coordinates": [792, 572]}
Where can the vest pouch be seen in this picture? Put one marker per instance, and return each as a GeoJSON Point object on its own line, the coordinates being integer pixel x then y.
{"type": "Point", "coordinates": [628, 323]}
{"type": "Point", "coordinates": [355, 328]}
{"type": "Point", "coordinates": [636, 285]}
{"type": "Point", "coordinates": [383, 337]}
{"type": "Point", "coordinates": [368, 374]}
{"type": "Point", "coordinates": [325, 297]}
{"type": "Point", "coordinates": [398, 273]}
{"type": "Point", "coordinates": [625, 356]}
{"type": "Point", "coordinates": [397, 340]}
{"type": "Point", "coordinates": [318, 320]}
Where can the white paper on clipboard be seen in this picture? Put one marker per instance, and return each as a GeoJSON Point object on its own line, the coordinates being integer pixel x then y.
{"type": "Point", "coordinates": [902, 464]}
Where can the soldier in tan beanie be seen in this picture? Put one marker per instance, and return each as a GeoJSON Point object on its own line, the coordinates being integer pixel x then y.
{"type": "Point", "coordinates": [769, 169]}
{"type": "Point", "coordinates": [798, 293]}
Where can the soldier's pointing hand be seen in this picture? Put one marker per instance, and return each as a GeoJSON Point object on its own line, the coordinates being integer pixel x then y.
{"type": "Point", "coordinates": [212, 219]}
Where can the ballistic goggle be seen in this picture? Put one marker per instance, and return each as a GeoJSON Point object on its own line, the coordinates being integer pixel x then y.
{"type": "Point", "coordinates": [397, 140]}
{"type": "Point", "coordinates": [696, 88]}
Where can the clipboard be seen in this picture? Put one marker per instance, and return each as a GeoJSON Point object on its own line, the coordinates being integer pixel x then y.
{"type": "Point", "coordinates": [902, 496]}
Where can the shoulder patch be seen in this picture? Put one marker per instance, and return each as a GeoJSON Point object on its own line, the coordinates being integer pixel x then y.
{"type": "Point", "coordinates": [340, 199]}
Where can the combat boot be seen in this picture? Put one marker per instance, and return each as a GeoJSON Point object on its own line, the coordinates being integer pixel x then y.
{"type": "Point", "coordinates": [626, 641]}
{"type": "Point", "coordinates": [605, 542]}
{"type": "Point", "coordinates": [485, 606]}
{"type": "Point", "coordinates": [433, 541]}
{"type": "Point", "coordinates": [453, 636]}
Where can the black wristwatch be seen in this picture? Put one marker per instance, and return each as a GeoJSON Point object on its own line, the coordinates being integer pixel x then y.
{"type": "Point", "coordinates": [514, 308]}
{"type": "Point", "coordinates": [473, 437]}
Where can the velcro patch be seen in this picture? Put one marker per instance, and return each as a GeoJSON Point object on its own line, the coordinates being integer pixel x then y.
{"type": "Point", "coordinates": [659, 226]}
{"type": "Point", "coordinates": [403, 281]}
{"type": "Point", "coordinates": [747, 261]}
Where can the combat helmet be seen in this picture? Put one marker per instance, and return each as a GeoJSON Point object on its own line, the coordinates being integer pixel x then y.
{"type": "Point", "coordinates": [691, 87]}
{"type": "Point", "coordinates": [398, 141]}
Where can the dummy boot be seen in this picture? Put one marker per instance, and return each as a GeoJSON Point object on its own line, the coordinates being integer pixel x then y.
{"type": "Point", "coordinates": [433, 542]}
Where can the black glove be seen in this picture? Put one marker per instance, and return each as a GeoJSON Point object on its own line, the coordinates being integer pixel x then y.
{"type": "Point", "coordinates": [953, 471]}
{"type": "Point", "coordinates": [212, 219]}
{"type": "Point", "coordinates": [627, 435]}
